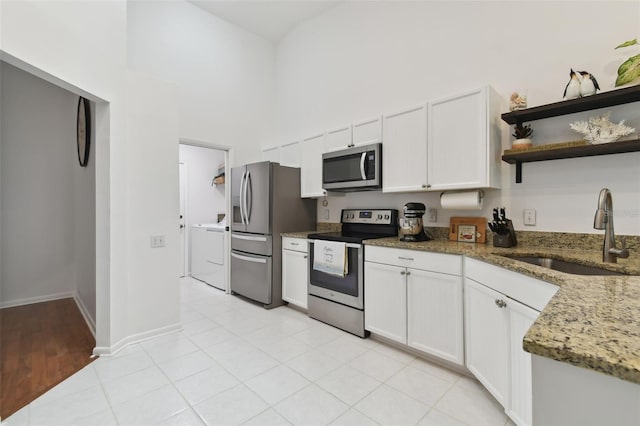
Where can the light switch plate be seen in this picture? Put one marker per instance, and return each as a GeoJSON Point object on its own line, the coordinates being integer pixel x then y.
{"type": "Point", "coordinates": [157, 241]}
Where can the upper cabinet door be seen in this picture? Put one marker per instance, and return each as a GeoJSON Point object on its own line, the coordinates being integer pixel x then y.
{"type": "Point", "coordinates": [311, 166]}
{"type": "Point", "coordinates": [338, 139]}
{"type": "Point", "coordinates": [461, 142]}
{"type": "Point", "coordinates": [271, 153]}
{"type": "Point", "coordinates": [404, 153]}
{"type": "Point", "coordinates": [366, 132]}
{"type": "Point", "coordinates": [290, 154]}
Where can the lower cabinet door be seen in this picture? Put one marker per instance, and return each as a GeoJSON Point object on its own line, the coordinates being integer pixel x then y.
{"type": "Point", "coordinates": [520, 407]}
{"type": "Point", "coordinates": [487, 338]}
{"type": "Point", "coordinates": [434, 314]}
{"type": "Point", "coordinates": [295, 267]}
{"type": "Point", "coordinates": [385, 301]}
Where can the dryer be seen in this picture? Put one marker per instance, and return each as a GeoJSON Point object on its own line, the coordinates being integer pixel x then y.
{"type": "Point", "coordinates": [208, 254]}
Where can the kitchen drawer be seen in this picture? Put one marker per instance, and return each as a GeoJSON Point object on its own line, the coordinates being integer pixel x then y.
{"type": "Point", "coordinates": [426, 261]}
{"type": "Point", "coordinates": [295, 244]}
{"type": "Point", "coordinates": [529, 291]}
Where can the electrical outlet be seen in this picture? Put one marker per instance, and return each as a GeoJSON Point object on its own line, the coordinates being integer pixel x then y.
{"type": "Point", "coordinates": [432, 215]}
{"type": "Point", "coordinates": [529, 217]}
{"type": "Point", "coordinates": [157, 241]}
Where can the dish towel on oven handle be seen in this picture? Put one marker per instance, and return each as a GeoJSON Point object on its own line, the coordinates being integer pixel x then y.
{"type": "Point", "coordinates": [330, 257]}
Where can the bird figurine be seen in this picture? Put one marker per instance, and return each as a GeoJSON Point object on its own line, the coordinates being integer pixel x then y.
{"type": "Point", "coordinates": [572, 90]}
{"type": "Point", "coordinates": [588, 84]}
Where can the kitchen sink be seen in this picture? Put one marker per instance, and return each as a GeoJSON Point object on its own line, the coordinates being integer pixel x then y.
{"type": "Point", "coordinates": [565, 266]}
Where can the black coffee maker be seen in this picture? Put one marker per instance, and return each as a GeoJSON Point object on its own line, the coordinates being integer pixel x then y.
{"type": "Point", "coordinates": [411, 226]}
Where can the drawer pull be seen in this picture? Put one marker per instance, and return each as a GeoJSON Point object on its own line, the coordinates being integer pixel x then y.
{"type": "Point", "coordinates": [501, 303]}
{"type": "Point", "coordinates": [405, 258]}
{"type": "Point", "coordinates": [295, 244]}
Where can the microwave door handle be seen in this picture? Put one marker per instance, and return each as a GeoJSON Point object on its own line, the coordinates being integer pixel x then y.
{"type": "Point", "coordinates": [362, 170]}
{"type": "Point", "coordinates": [249, 192]}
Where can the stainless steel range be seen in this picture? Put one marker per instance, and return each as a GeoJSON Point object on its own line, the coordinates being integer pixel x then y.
{"type": "Point", "coordinates": [336, 294]}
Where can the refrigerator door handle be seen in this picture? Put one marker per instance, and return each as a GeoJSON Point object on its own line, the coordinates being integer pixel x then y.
{"type": "Point", "coordinates": [249, 202]}
{"type": "Point", "coordinates": [362, 171]}
{"type": "Point", "coordinates": [242, 197]}
{"type": "Point", "coordinates": [249, 259]}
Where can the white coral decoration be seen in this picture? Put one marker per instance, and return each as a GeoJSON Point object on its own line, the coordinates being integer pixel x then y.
{"type": "Point", "coordinates": [600, 130]}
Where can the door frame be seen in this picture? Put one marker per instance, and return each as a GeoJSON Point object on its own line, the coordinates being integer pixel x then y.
{"type": "Point", "coordinates": [228, 160]}
{"type": "Point", "coordinates": [184, 195]}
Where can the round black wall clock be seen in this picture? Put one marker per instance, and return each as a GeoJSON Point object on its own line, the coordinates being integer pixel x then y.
{"type": "Point", "coordinates": [83, 126]}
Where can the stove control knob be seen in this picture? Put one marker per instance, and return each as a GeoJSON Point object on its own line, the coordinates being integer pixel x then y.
{"type": "Point", "coordinates": [379, 217]}
{"type": "Point", "coordinates": [386, 216]}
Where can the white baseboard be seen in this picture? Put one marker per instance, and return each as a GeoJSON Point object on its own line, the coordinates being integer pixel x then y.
{"type": "Point", "coordinates": [85, 313]}
{"type": "Point", "coordinates": [37, 299]}
{"type": "Point", "coordinates": [136, 338]}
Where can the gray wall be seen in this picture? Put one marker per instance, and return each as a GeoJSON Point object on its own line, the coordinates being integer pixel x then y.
{"type": "Point", "coordinates": [48, 200]}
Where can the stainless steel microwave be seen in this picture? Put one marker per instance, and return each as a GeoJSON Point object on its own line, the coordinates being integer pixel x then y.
{"type": "Point", "coordinates": [353, 169]}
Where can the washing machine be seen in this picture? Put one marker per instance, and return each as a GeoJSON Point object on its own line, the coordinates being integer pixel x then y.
{"type": "Point", "coordinates": [208, 254]}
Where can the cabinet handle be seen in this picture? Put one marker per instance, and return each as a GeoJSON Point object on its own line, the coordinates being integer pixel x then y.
{"type": "Point", "coordinates": [405, 258]}
{"type": "Point", "coordinates": [305, 256]}
{"type": "Point", "coordinates": [294, 244]}
{"type": "Point", "coordinates": [403, 273]}
{"type": "Point", "coordinates": [501, 303]}
{"type": "Point", "coordinates": [408, 272]}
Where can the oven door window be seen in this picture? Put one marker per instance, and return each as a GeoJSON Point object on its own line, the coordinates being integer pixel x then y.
{"type": "Point", "coordinates": [345, 285]}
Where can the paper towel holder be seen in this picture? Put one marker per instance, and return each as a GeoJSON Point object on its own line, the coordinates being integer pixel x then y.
{"type": "Point", "coordinates": [480, 193]}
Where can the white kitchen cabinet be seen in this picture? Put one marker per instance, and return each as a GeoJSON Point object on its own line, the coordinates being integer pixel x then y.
{"type": "Point", "coordinates": [464, 141]}
{"type": "Point", "coordinates": [290, 154]}
{"type": "Point", "coordinates": [311, 166]}
{"type": "Point", "coordinates": [521, 318]}
{"type": "Point", "coordinates": [385, 301]}
{"type": "Point", "coordinates": [366, 132]}
{"type": "Point", "coordinates": [500, 306]}
{"type": "Point", "coordinates": [415, 298]}
{"type": "Point", "coordinates": [434, 314]}
{"type": "Point", "coordinates": [339, 138]}
{"type": "Point", "coordinates": [271, 153]}
{"type": "Point", "coordinates": [295, 271]}
{"type": "Point", "coordinates": [487, 339]}
{"type": "Point", "coordinates": [404, 159]}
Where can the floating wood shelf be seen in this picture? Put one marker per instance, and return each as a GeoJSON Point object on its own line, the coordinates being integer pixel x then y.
{"type": "Point", "coordinates": [600, 100]}
{"type": "Point", "coordinates": [518, 157]}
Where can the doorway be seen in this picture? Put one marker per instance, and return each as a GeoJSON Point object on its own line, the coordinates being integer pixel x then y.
{"type": "Point", "coordinates": [203, 213]}
{"type": "Point", "coordinates": [48, 224]}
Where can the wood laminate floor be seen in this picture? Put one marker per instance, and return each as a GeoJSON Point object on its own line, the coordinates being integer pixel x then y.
{"type": "Point", "coordinates": [41, 345]}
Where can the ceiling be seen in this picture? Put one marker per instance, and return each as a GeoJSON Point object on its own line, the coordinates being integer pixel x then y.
{"type": "Point", "coordinates": [270, 19]}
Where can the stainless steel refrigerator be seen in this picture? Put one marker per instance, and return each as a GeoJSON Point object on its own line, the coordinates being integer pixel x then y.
{"type": "Point", "coordinates": [265, 203]}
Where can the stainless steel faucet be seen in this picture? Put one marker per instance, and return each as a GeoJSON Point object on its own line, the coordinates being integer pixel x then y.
{"type": "Point", "coordinates": [604, 220]}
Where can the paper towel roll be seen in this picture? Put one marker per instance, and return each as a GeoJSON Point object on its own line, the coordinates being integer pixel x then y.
{"type": "Point", "coordinates": [468, 200]}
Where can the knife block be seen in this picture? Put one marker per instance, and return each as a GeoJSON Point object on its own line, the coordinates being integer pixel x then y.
{"type": "Point", "coordinates": [507, 240]}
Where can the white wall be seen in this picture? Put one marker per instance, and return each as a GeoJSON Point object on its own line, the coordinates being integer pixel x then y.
{"type": "Point", "coordinates": [82, 46]}
{"type": "Point", "coordinates": [203, 201]}
{"type": "Point", "coordinates": [362, 59]}
{"type": "Point", "coordinates": [224, 75]}
{"type": "Point", "coordinates": [48, 200]}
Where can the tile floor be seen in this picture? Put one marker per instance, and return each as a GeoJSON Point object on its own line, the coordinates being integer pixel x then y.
{"type": "Point", "coordinates": [236, 363]}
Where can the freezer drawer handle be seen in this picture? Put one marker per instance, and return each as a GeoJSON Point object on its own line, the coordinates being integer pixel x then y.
{"type": "Point", "coordinates": [249, 259]}
{"type": "Point", "coordinates": [247, 238]}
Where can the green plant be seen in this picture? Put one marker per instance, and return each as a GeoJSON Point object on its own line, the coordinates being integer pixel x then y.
{"type": "Point", "coordinates": [629, 70]}
{"type": "Point", "coordinates": [522, 132]}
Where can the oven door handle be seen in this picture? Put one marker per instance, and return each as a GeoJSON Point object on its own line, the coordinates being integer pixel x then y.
{"type": "Point", "coordinates": [349, 245]}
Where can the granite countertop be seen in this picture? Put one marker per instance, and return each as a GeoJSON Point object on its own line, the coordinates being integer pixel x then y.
{"type": "Point", "coordinates": [302, 234]}
{"type": "Point", "coordinates": [591, 322]}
